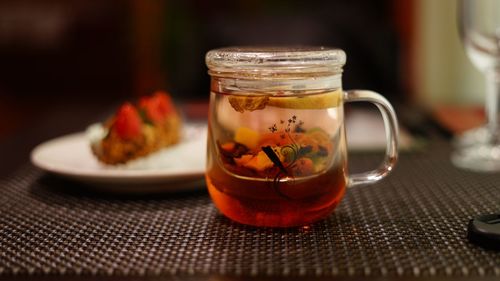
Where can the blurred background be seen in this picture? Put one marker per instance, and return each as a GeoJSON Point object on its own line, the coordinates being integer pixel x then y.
{"type": "Point", "coordinates": [74, 55]}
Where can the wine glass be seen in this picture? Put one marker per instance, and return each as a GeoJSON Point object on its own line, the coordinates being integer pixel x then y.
{"type": "Point", "coordinates": [479, 22]}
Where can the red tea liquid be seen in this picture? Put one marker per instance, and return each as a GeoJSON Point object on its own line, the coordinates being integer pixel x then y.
{"type": "Point", "coordinates": [276, 162]}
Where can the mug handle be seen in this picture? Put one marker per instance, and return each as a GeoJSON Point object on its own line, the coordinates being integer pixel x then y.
{"type": "Point", "coordinates": [391, 134]}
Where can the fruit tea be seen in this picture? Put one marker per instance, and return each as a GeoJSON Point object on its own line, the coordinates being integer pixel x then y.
{"type": "Point", "coordinates": [276, 159]}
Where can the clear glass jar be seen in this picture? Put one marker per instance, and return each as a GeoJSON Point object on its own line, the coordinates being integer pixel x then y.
{"type": "Point", "coordinates": [276, 146]}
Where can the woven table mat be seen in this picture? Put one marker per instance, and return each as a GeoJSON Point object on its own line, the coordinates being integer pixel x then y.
{"type": "Point", "coordinates": [411, 224]}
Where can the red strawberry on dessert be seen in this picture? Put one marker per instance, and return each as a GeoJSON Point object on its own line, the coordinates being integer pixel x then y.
{"type": "Point", "coordinates": [157, 107]}
{"type": "Point", "coordinates": [128, 123]}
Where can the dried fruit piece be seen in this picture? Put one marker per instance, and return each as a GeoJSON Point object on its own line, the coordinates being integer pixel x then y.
{"type": "Point", "coordinates": [247, 137]}
{"type": "Point", "coordinates": [259, 162]}
{"type": "Point", "coordinates": [303, 167]}
{"type": "Point", "coordinates": [242, 103]}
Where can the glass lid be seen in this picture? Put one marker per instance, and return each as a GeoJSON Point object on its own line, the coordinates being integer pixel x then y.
{"type": "Point", "coordinates": [257, 61]}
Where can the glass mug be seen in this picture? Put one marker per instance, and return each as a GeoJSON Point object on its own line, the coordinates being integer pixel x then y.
{"type": "Point", "coordinates": [277, 152]}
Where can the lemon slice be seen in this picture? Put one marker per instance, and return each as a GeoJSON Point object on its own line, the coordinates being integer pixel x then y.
{"type": "Point", "coordinates": [317, 101]}
{"type": "Point", "coordinates": [321, 101]}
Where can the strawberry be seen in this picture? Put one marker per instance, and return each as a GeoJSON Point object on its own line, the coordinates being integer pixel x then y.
{"type": "Point", "coordinates": [128, 123]}
{"type": "Point", "coordinates": [157, 107]}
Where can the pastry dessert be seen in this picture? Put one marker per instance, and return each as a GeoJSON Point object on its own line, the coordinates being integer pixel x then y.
{"type": "Point", "coordinates": [137, 130]}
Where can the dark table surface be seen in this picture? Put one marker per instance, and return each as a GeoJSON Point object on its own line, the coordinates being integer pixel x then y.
{"type": "Point", "coordinates": [411, 225]}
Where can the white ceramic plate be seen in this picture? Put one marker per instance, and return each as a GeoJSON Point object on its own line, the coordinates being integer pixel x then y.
{"type": "Point", "coordinates": [176, 168]}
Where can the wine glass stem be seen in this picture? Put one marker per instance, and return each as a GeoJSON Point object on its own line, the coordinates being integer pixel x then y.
{"type": "Point", "coordinates": [492, 103]}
